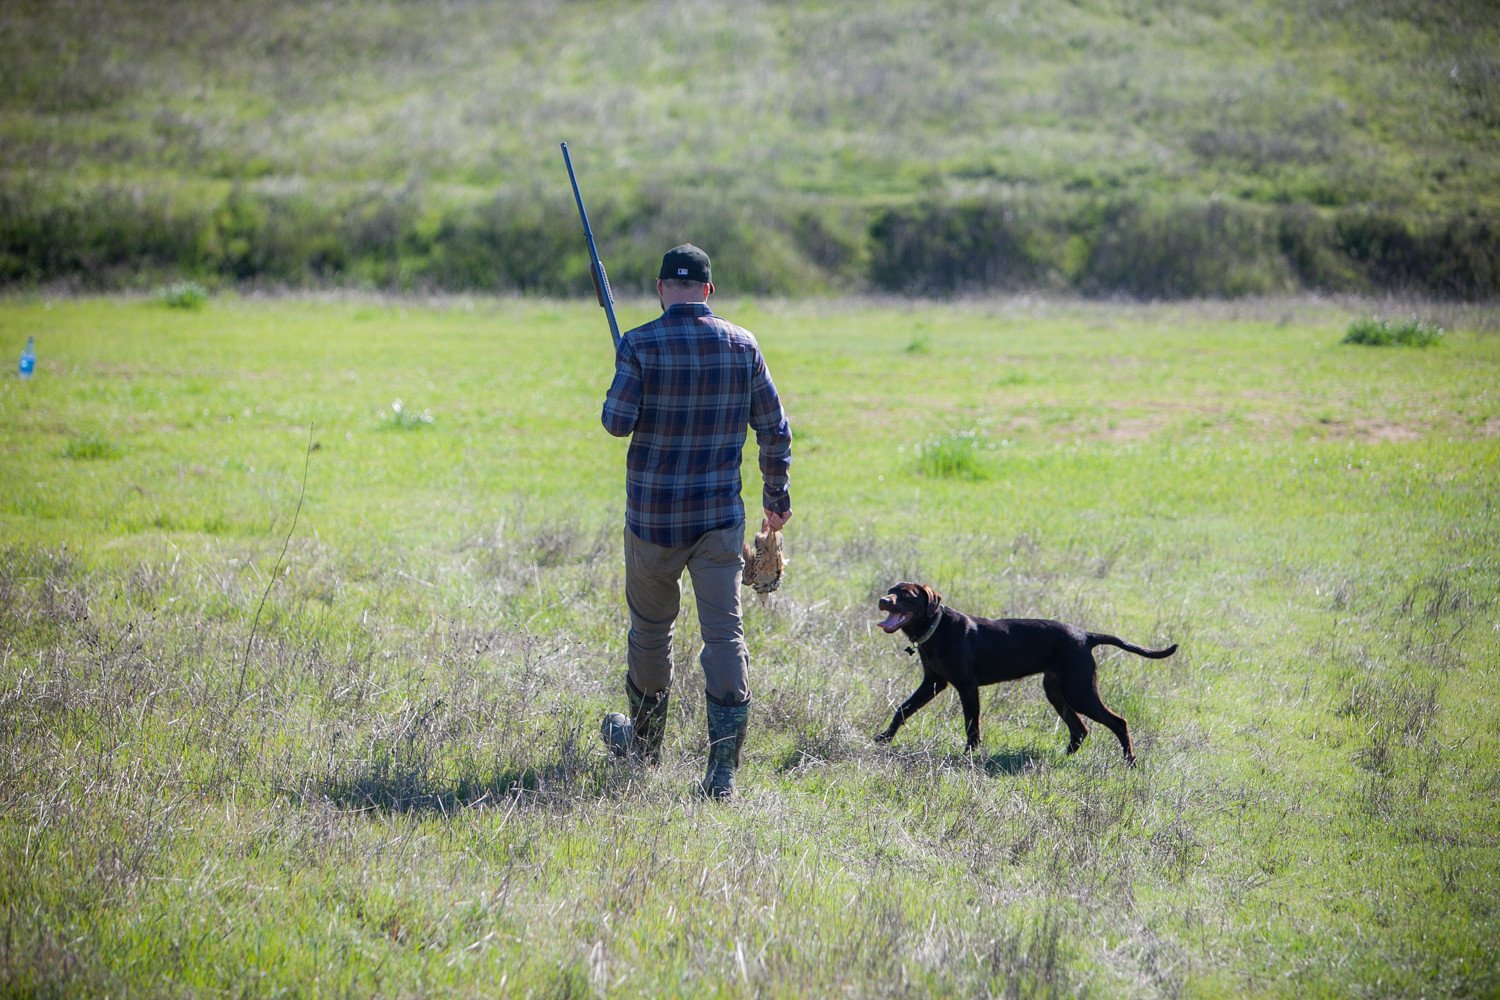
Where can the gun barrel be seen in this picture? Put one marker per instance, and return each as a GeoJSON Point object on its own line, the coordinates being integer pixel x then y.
{"type": "Point", "coordinates": [596, 266]}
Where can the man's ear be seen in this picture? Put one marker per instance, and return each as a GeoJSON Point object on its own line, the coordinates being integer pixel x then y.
{"type": "Point", "coordinates": [708, 289]}
{"type": "Point", "coordinates": [934, 599]}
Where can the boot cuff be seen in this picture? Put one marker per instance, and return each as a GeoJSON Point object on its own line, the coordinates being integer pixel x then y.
{"type": "Point", "coordinates": [726, 704]}
{"type": "Point", "coordinates": [637, 698]}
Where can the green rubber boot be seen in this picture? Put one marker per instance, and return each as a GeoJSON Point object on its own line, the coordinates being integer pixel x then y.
{"type": "Point", "coordinates": [648, 722]}
{"type": "Point", "coordinates": [637, 738]}
{"type": "Point", "coordinates": [726, 734]}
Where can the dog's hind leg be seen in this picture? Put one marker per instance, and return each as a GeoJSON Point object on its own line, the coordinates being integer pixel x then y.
{"type": "Point", "coordinates": [1082, 694]}
{"type": "Point", "coordinates": [1052, 688]}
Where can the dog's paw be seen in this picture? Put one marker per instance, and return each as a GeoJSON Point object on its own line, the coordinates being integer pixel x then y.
{"type": "Point", "coordinates": [884, 737]}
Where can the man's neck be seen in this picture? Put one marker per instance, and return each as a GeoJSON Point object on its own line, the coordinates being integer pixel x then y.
{"type": "Point", "coordinates": [677, 294]}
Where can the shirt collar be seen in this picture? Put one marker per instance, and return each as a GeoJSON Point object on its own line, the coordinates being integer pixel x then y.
{"type": "Point", "coordinates": [689, 309]}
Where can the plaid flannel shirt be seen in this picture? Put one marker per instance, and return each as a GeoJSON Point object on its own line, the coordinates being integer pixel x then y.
{"type": "Point", "coordinates": [686, 387]}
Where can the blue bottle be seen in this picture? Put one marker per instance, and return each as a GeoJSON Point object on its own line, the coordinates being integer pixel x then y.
{"type": "Point", "coordinates": [28, 358]}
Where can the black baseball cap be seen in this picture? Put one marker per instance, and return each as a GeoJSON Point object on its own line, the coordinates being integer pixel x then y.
{"type": "Point", "coordinates": [686, 263]}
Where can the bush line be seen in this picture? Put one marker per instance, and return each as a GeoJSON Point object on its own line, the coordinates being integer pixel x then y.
{"type": "Point", "coordinates": [528, 241]}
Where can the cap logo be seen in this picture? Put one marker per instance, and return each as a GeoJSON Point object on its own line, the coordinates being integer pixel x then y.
{"type": "Point", "coordinates": [682, 272]}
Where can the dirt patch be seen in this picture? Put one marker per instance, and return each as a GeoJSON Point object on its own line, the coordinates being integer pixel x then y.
{"type": "Point", "coordinates": [1366, 430]}
{"type": "Point", "coordinates": [1389, 432]}
{"type": "Point", "coordinates": [1131, 428]}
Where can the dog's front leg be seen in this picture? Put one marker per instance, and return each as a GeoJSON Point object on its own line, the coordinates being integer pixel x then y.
{"type": "Point", "coordinates": [925, 692]}
{"type": "Point", "coordinates": [968, 697]}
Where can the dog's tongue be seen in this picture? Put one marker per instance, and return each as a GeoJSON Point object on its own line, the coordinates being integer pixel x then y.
{"type": "Point", "coordinates": [894, 621]}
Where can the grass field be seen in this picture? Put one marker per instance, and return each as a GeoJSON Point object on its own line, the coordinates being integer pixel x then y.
{"type": "Point", "coordinates": [299, 691]}
{"type": "Point", "coordinates": [1192, 148]}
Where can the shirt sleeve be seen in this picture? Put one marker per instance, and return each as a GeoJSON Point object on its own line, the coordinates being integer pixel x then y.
{"type": "Point", "coordinates": [622, 404]}
{"type": "Point", "coordinates": [774, 436]}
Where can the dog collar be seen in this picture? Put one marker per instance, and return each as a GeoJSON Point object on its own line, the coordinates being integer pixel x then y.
{"type": "Point", "coordinates": [910, 650]}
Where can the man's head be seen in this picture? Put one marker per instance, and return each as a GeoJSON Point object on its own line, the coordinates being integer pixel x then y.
{"type": "Point", "coordinates": [686, 276]}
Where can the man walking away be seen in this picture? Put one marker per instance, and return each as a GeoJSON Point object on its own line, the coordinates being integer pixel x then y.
{"type": "Point", "coordinates": [686, 387]}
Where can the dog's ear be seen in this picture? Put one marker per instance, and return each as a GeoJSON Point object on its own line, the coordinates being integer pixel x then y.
{"type": "Point", "coordinates": [934, 599]}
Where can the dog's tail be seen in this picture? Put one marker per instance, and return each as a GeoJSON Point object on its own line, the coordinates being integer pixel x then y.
{"type": "Point", "coordinates": [1100, 639]}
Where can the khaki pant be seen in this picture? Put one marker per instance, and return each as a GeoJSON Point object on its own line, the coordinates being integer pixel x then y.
{"type": "Point", "coordinates": [653, 591]}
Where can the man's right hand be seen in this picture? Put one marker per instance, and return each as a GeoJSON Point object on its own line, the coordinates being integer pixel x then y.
{"type": "Point", "coordinates": [776, 521]}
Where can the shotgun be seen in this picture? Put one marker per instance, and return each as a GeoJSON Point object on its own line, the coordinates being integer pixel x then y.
{"type": "Point", "coordinates": [596, 266]}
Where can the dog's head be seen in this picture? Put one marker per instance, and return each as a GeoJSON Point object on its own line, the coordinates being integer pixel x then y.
{"type": "Point", "coordinates": [908, 602]}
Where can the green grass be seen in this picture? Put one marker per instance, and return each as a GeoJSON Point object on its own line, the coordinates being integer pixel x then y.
{"type": "Point", "coordinates": [1267, 100]}
{"type": "Point", "coordinates": [408, 794]}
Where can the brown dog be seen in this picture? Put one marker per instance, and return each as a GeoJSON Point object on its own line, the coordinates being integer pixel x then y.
{"type": "Point", "coordinates": [969, 652]}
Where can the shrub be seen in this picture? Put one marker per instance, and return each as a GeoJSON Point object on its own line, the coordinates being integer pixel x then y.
{"type": "Point", "coordinates": [1307, 241]}
{"type": "Point", "coordinates": [833, 237]}
{"type": "Point", "coordinates": [183, 295]}
{"type": "Point", "coordinates": [517, 241]}
{"type": "Point", "coordinates": [281, 237]}
{"type": "Point", "coordinates": [1380, 333]}
{"type": "Point", "coordinates": [760, 244]}
{"type": "Point", "coordinates": [981, 244]}
{"type": "Point", "coordinates": [96, 236]}
{"type": "Point", "coordinates": [525, 239]}
{"type": "Point", "coordinates": [1182, 248]}
{"type": "Point", "coordinates": [1456, 257]}
{"type": "Point", "coordinates": [402, 419]}
{"type": "Point", "coordinates": [953, 456]}
{"type": "Point", "coordinates": [90, 446]}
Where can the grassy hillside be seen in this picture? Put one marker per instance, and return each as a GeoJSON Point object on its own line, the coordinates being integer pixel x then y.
{"type": "Point", "coordinates": [1160, 149]}
{"type": "Point", "coordinates": [300, 697]}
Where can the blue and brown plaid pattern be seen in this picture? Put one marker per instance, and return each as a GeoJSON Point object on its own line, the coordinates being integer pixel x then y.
{"type": "Point", "coordinates": [686, 387]}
